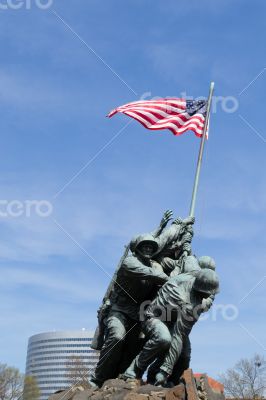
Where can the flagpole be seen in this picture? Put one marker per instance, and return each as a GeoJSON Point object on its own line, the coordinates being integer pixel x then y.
{"type": "Point", "coordinates": [201, 150]}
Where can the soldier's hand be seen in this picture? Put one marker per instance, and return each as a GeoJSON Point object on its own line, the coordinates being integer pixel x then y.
{"type": "Point", "coordinates": [161, 378]}
{"type": "Point", "coordinates": [189, 221]}
{"type": "Point", "coordinates": [207, 303]}
{"type": "Point", "coordinates": [156, 266]}
{"type": "Point", "coordinates": [187, 248]}
{"type": "Point", "coordinates": [166, 218]}
{"type": "Point", "coordinates": [178, 221]}
{"type": "Point", "coordinates": [175, 272]}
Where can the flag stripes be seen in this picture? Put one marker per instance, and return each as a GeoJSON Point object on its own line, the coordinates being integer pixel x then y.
{"type": "Point", "coordinates": [172, 114]}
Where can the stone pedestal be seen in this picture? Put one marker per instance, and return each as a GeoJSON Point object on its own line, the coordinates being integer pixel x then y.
{"type": "Point", "coordinates": [190, 388]}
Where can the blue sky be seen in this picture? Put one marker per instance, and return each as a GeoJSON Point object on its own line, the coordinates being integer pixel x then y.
{"type": "Point", "coordinates": [62, 69]}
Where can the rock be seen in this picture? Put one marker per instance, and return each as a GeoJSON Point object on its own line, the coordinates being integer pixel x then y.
{"type": "Point", "coordinates": [120, 383]}
{"type": "Point", "coordinates": [97, 396]}
{"type": "Point", "coordinates": [67, 394]}
{"type": "Point", "coordinates": [85, 395]}
{"type": "Point", "coordinates": [115, 389]}
{"type": "Point", "coordinates": [158, 396]}
{"type": "Point", "coordinates": [150, 389]}
{"type": "Point", "coordinates": [177, 393]}
{"type": "Point", "coordinates": [136, 396]}
{"type": "Point", "coordinates": [118, 389]}
{"type": "Point", "coordinates": [190, 384]}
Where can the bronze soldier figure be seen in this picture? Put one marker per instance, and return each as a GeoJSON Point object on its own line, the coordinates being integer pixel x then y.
{"type": "Point", "coordinates": [135, 283]}
{"type": "Point", "coordinates": [169, 319]}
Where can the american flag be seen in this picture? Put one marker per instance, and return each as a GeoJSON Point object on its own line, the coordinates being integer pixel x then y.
{"type": "Point", "coordinates": [178, 115]}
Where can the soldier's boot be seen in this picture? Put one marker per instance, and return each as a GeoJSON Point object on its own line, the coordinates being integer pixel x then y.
{"type": "Point", "coordinates": [94, 382]}
{"type": "Point", "coordinates": [133, 372]}
{"type": "Point", "coordinates": [179, 368]}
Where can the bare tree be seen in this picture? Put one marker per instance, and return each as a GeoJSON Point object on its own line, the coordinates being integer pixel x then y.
{"type": "Point", "coordinates": [11, 383]}
{"type": "Point", "coordinates": [247, 380]}
{"type": "Point", "coordinates": [77, 372]}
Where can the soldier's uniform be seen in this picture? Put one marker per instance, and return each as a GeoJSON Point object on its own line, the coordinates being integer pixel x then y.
{"type": "Point", "coordinates": [170, 318]}
{"type": "Point", "coordinates": [136, 282]}
{"type": "Point", "coordinates": [190, 269]}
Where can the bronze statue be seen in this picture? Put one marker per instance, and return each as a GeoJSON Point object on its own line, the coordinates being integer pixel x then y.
{"type": "Point", "coordinates": [168, 322]}
{"type": "Point", "coordinates": [157, 268]}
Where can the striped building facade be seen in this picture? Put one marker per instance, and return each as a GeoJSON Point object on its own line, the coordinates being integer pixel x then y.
{"type": "Point", "coordinates": [50, 356]}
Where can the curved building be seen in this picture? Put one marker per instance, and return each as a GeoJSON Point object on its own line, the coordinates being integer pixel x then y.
{"type": "Point", "coordinates": [51, 355]}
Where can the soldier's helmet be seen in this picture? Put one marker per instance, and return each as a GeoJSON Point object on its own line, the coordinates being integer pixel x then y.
{"type": "Point", "coordinates": [207, 282]}
{"type": "Point", "coordinates": [145, 239]}
{"type": "Point", "coordinates": [207, 262]}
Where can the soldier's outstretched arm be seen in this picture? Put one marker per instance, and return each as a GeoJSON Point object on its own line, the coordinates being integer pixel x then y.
{"type": "Point", "coordinates": [167, 216]}
{"type": "Point", "coordinates": [135, 269]}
